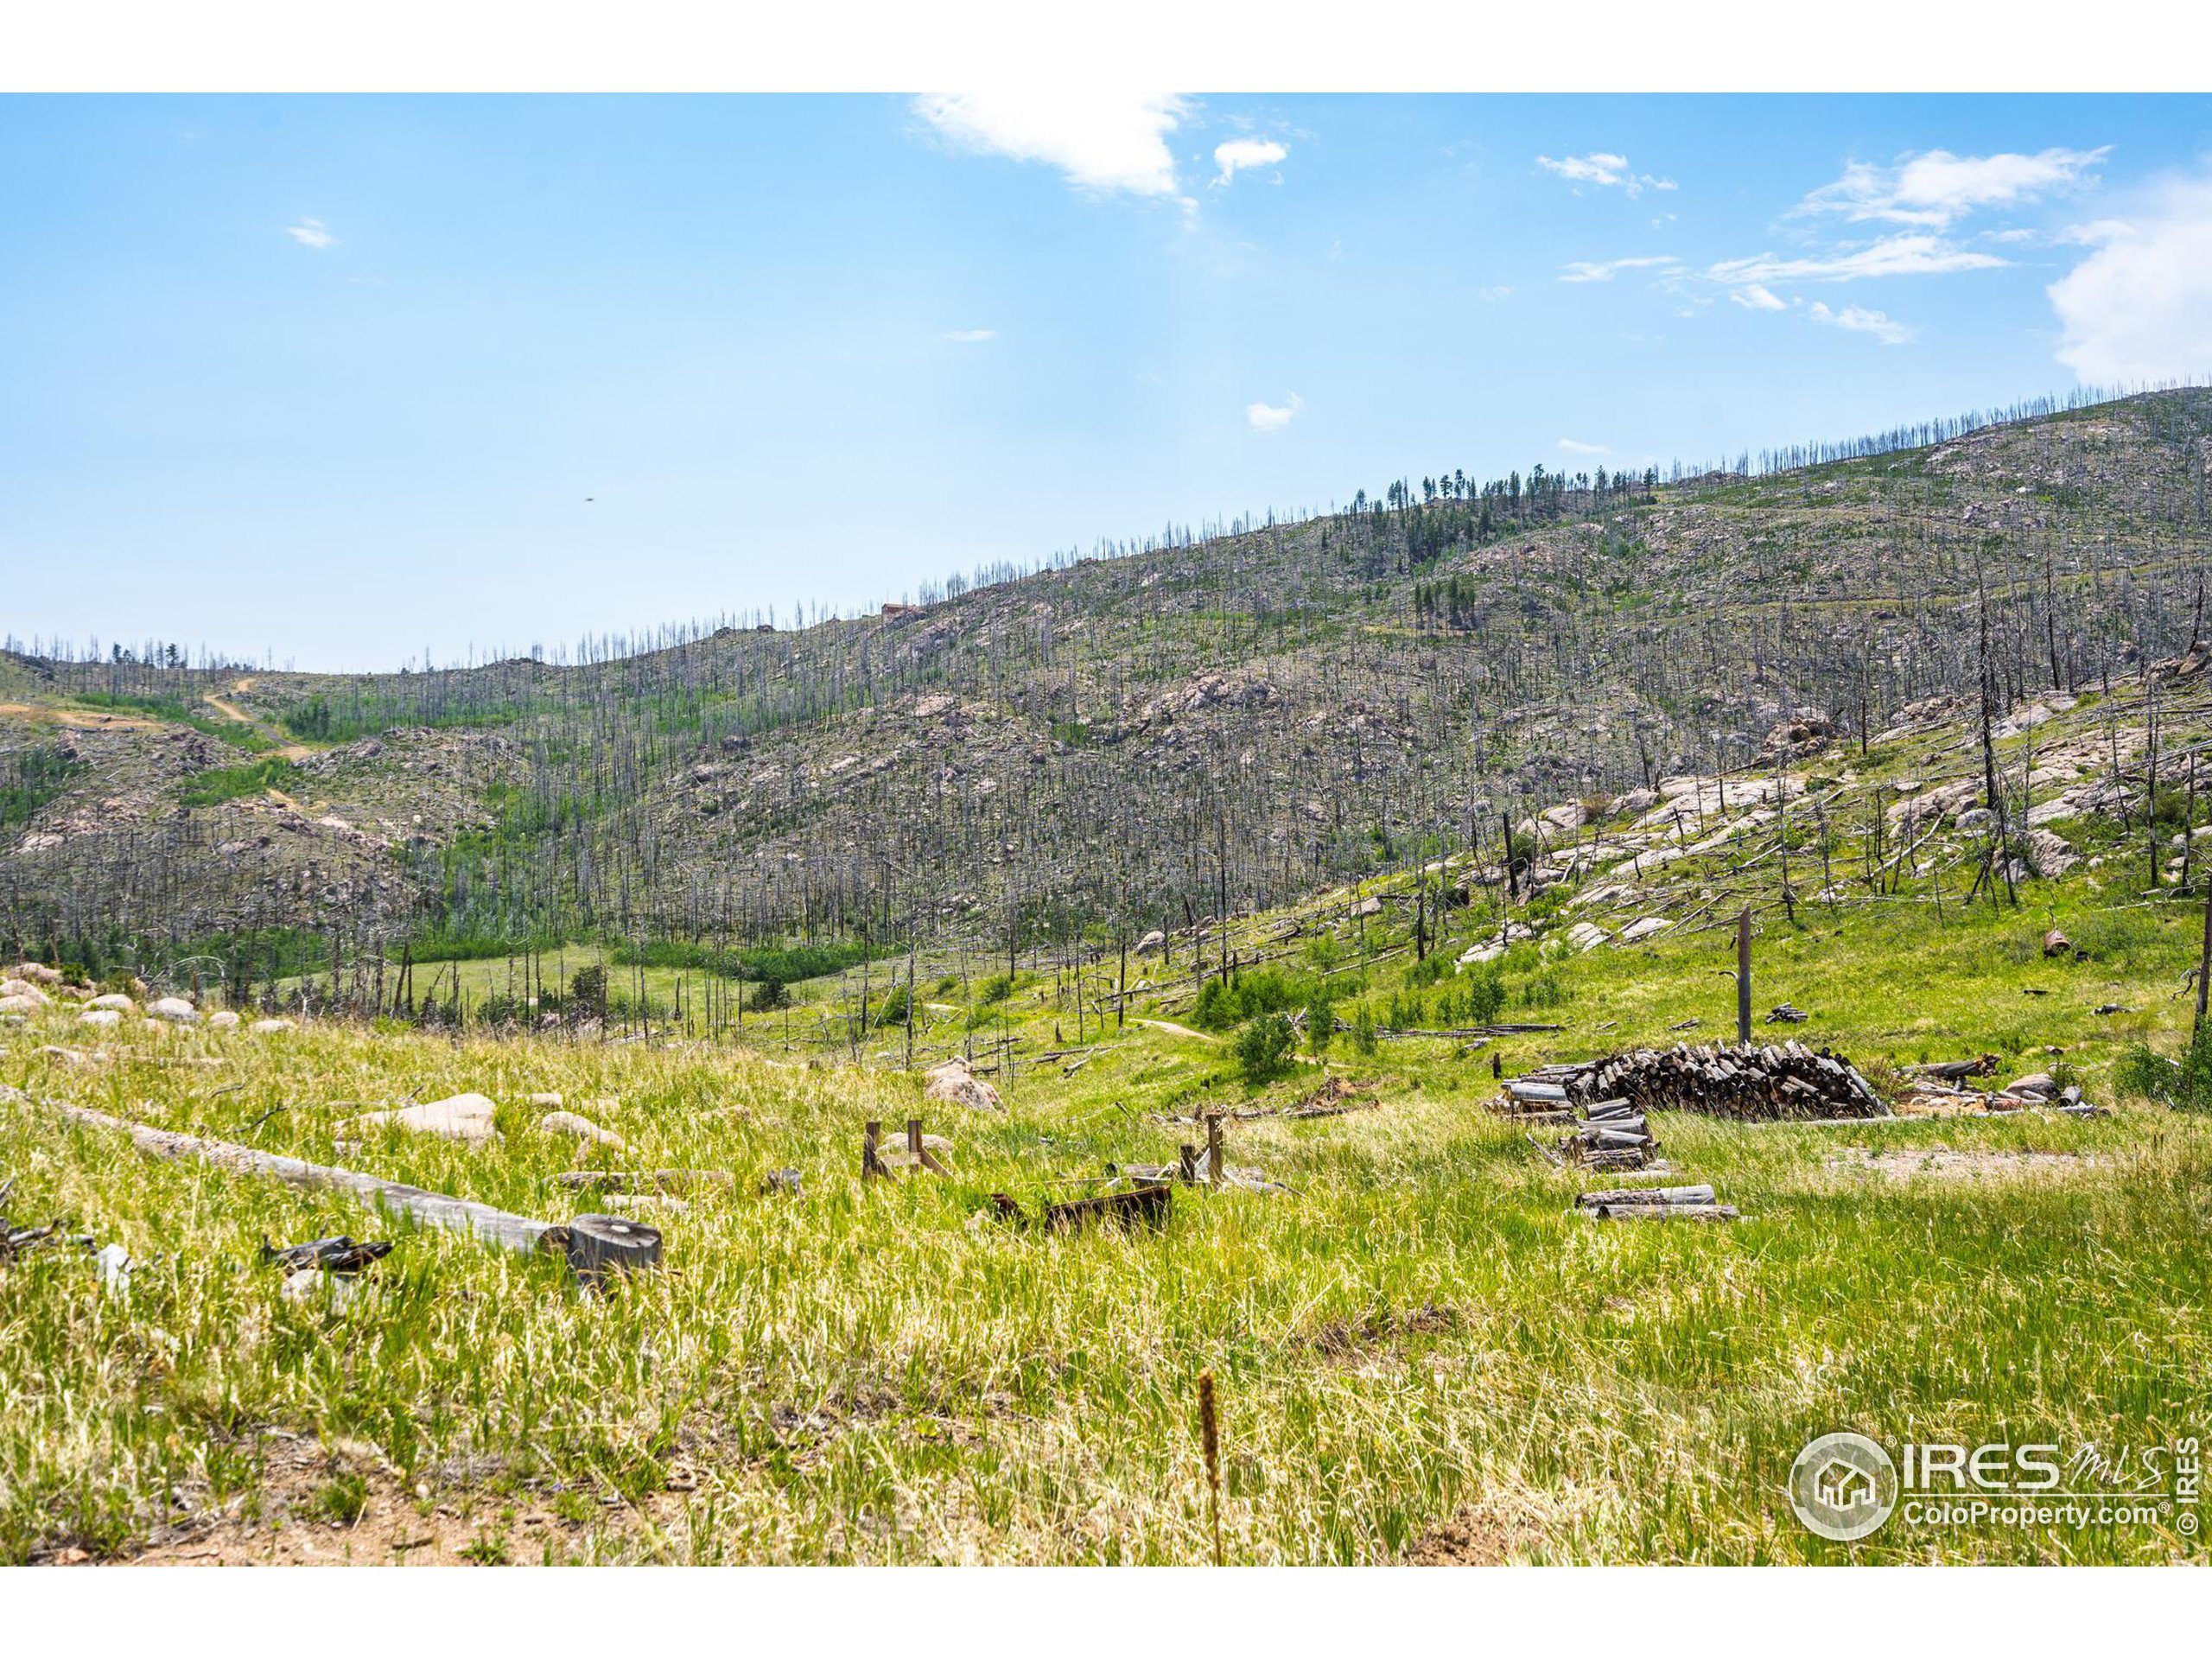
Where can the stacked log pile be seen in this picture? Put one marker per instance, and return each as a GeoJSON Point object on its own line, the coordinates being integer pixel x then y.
{"type": "Point", "coordinates": [1755, 1081]}
{"type": "Point", "coordinates": [1611, 1134]}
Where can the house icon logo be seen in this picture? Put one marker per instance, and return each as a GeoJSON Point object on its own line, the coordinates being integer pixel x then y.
{"type": "Point", "coordinates": [1843, 1487]}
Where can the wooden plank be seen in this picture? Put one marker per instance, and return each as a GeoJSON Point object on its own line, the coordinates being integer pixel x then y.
{"type": "Point", "coordinates": [1146, 1204]}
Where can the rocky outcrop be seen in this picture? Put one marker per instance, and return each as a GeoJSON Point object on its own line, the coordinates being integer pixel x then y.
{"type": "Point", "coordinates": [953, 1081]}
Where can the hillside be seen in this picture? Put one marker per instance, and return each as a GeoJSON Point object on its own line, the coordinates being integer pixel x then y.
{"type": "Point", "coordinates": [1126, 744]}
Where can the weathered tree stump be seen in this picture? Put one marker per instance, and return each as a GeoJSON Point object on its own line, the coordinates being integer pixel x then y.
{"type": "Point", "coordinates": [599, 1244]}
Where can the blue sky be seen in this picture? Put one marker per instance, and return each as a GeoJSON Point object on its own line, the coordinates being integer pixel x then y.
{"type": "Point", "coordinates": [334, 379]}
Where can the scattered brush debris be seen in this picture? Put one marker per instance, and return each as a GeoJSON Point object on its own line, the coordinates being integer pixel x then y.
{"type": "Point", "coordinates": [1335, 1098]}
{"type": "Point", "coordinates": [1785, 1013]}
{"type": "Point", "coordinates": [1983, 1065]}
{"type": "Point", "coordinates": [16, 1242]}
{"type": "Point", "coordinates": [326, 1270]}
{"type": "Point", "coordinates": [339, 1254]}
{"type": "Point", "coordinates": [633, 1182]}
{"type": "Point", "coordinates": [1208, 1165]}
{"type": "Point", "coordinates": [1934, 1093]}
{"type": "Point", "coordinates": [1755, 1082]}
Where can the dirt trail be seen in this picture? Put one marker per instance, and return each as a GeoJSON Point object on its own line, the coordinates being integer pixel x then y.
{"type": "Point", "coordinates": [80, 719]}
{"type": "Point", "coordinates": [229, 710]}
{"type": "Point", "coordinates": [1174, 1030]}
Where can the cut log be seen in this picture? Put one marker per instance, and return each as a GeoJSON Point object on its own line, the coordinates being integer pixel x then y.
{"type": "Point", "coordinates": [599, 1245]}
{"type": "Point", "coordinates": [1664, 1211]}
{"type": "Point", "coordinates": [1635, 1195]}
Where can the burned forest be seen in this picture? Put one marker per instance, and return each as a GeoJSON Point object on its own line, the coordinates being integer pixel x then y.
{"type": "Point", "coordinates": [1076, 757]}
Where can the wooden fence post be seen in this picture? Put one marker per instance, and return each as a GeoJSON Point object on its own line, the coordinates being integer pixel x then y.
{"type": "Point", "coordinates": [1744, 976]}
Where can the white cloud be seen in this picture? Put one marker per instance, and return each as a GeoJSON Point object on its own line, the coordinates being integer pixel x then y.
{"type": "Point", "coordinates": [1757, 298]}
{"type": "Point", "coordinates": [311, 233]}
{"type": "Point", "coordinates": [2096, 233]}
{"type": "Point", "coordinates": [1240, 154]}
{"type": "Point", "coordinates": [1893, 256]}
{"type": "Point", "coordinates": [1602, 270]}
{"type": "Point", "coordinates": [972, 336]}
{"type": "Point", "coordinates": [1859, 320]}
{"type": "Point", "coordinates": [2140, 307]}
{"type": "Point", "coordinates": [1273, 418]}
{"type": "Point", "coordinates": [1575, 447]}
{"type": "Point", "coordinates": [1101, 141]}
{"type": "Point", "coordinates": [1605, 171]}
{"type": "Point", "coordinates": [1937, 187]}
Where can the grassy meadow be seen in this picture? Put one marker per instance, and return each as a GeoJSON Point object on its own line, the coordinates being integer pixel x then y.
{"type": "Point", "coordinates": [1422, 1350]}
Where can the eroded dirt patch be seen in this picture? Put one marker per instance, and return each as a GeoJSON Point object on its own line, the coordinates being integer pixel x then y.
{"type": "Point", "coordinates": [1341, 1338]}
{"type": "Point", "coordinates": [1502, 1527]}
{"type": "Point", "coordinates": [325, 1506]}
{"type": "Point", "coordinates": [1945, 1164]}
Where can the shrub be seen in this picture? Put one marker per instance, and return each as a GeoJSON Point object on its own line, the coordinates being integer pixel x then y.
{"type": "Point", "coordinates": [1320, 1022]}
{"type": "Point", "coordinates": [588, 988]}
{"type": "Point", "coordinates": [996, 989]}
{"type": "Point", "coordinates": [1363, 1032]}
{"type": "Point", "coordinates": [1323, 950]}
{"type": "Point", "coordinates": [1226, 1002]}
{"type": "Point", "coordinates": [2184, 1085]}
{"type": "Point", "coordinates": [1485, 995]}
{"type": "Point", "coordinates": [768, 996]}
{"type": "Point", "coordinates": [1263, 1048]}
{"type": "Point", "coordinates": [1542, 990]}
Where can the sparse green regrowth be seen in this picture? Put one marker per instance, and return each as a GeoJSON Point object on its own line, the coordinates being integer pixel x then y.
{"type": "Point", "coordinates": [2185, 1083]}
{"type": "Point", "coordinates": [230, 783]}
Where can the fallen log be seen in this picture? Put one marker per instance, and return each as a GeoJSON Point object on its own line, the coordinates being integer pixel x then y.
{"type": "Point", "coordinates": [525, 1234]}
{"type": "Point", "coordinates": [1635, 1195]}
{"type": "Point", "coordinates": [1664, 1212]}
